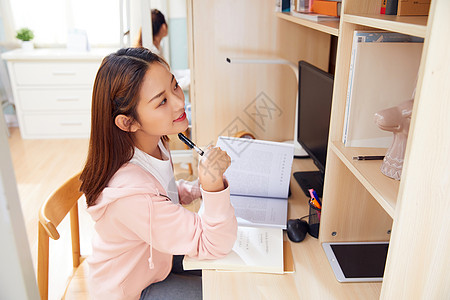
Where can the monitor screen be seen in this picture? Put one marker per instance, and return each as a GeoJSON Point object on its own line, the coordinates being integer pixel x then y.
{"type": "Point", "coordinates": [315, 93]}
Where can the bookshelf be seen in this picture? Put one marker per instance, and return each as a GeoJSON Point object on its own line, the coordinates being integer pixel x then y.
{"type": "Point", "coordinates": [360, 203]}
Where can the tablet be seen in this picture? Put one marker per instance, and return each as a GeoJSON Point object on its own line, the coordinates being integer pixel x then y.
{"type": "Point", "coordinates": [357, 261]}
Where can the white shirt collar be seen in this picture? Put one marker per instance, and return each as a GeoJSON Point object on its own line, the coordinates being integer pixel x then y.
{"type": "Point", "coordinates": [161, 169]}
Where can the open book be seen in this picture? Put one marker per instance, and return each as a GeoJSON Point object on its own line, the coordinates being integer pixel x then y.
{"type": "Point", "coordinates": [259, 178]}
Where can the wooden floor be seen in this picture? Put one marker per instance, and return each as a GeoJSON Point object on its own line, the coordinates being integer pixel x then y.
{"type": "Point", "coordinates": [40, 167]}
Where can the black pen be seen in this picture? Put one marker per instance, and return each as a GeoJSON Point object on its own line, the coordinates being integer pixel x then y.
{"type": "Point", "coordinates": [368, 157]}
{"type": "Point", "coordinates": [190, 144]}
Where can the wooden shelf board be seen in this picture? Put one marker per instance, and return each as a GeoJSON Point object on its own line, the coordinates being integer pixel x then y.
{"type": "Point", "coordinates": [412, 25]}
{"type": "Point", "coordinates": [381, 187]}
{"type": "Point", "coordinates": [330, 27]}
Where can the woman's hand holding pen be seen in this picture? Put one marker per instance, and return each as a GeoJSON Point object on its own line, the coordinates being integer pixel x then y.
{"type": "Point", "coordinates": [211, 167]}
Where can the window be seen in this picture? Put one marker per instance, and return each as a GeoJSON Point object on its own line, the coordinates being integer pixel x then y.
{"type": "Point", "coordinates": [51, 20]}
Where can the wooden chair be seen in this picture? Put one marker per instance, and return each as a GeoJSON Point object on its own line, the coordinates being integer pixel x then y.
{"type": "Point", "coordinates": [52, 212]}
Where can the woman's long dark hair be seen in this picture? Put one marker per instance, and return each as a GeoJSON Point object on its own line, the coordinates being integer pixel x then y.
{"type": "Point", "coordinates": [158, 20]}
{"type": "Point", "coordinates": [116, 91]}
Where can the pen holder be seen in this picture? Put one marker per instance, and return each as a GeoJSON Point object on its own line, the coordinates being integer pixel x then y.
{"type": "Point", "coordinates": [314, 220]}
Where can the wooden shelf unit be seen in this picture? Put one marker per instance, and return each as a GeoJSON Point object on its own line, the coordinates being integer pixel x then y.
{"type": "Point", "coordinates": [376, 186]}
{"type": "Point", "coordinates": [360, 203]}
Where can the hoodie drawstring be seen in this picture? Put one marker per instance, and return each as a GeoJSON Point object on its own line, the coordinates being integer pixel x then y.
{"type": "Point", "coordinates": [150, 259]}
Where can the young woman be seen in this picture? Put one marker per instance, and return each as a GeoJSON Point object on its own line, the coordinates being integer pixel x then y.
{"type": "Point", "coordinates": [131, 192]}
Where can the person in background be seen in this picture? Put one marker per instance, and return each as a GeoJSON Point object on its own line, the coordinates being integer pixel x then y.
{"type": "Point", "coordinates": [159, 29]}
{"type": "Point", "coordinates": [142, 231]}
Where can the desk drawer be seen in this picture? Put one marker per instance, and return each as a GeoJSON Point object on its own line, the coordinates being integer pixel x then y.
{"type": "Point", "coordinates": [55, 73]}
{"type": "Point", "coordinates": [56, 125]}
{"type": "Point", "coordinates": [55, 99]}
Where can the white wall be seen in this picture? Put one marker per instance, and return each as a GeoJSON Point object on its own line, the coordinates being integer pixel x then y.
{"type": "Point", "coordinates": [17, 278]}
{"type": "Point", "coordinates": [177, 8]}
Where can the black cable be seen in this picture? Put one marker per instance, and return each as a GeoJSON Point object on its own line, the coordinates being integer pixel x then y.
{"type": "Point", "coordinates": [302, 217]}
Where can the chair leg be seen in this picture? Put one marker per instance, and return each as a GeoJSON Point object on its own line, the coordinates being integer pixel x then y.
{"type": "Point", "coordinates": [75, 233]}
{"type": "Point", "coordinates": [43, 260]}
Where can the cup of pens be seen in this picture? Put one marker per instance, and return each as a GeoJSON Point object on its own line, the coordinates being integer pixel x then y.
{"type": "Point", "coordinates": [315, 208]}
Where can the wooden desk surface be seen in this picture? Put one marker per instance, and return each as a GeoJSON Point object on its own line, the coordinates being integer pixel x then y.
{"type": "Point", "coordinates": [312, 279]}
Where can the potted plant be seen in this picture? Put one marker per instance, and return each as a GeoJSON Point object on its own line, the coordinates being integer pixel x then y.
{"type": "Point", "coordinates": [26, 35]}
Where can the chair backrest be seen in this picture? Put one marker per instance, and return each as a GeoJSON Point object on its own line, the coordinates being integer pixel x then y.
{"type": "Point", "coordinates": [52, 212]}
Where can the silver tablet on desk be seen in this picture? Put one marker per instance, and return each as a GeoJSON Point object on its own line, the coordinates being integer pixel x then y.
{"type": "Point", "coordinates": [357, 261]}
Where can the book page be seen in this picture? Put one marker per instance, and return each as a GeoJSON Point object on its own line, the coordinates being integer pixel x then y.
{"type": "Point", "coordinates": [256, 250]}
{"type": "Point", "coordinates": [257, 211]}
{"type": "Point", "coordinates": [258, 168]}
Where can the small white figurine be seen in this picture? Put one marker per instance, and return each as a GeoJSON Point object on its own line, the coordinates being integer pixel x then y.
{"type": "Point", "coordinates": [395, 119]}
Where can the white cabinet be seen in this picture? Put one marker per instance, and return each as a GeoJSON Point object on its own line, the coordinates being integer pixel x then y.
{"type": "Point", "coordinates": [52, 90]}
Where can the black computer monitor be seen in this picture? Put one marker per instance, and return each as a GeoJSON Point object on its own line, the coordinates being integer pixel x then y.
{"type": "Point", "coordinates": [315, 92]}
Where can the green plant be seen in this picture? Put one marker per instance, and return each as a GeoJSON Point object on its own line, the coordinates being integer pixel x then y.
{"type": "Point", "coordinates": [25, 34]}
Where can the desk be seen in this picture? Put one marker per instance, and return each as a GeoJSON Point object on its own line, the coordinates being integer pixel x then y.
{"type": "Point", "coordinates": [312, 279]}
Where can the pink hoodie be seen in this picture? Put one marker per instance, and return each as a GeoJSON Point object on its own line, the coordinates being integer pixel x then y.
{"type": "Point", "coordinates": [138, 229]}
